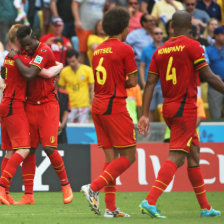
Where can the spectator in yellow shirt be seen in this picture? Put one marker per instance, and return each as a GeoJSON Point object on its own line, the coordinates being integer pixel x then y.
{"type": "Point", "coordinates": [95, 39]}
{"type": "Point", "coordinates": [77, 79]}
{"type": "Point", "coordinates": [163, 11]}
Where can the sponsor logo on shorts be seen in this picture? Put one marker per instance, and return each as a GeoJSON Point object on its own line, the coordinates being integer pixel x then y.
{"type": "Point", "coordinates": [52, 139]}
{"type": "Point", "coordinates": [38, 59]}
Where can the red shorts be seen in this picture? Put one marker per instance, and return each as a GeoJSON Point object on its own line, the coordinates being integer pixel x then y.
{"type": "Point", "coordinates": [15, 131]}
{"type": "Point", "coordinates": [182, 133]}
{"type": "Point", "coordinates": [114, 130]}
{"type": "Point", "coordinates": [83, 38]}
{"type": "Point", "coordinates": [44, 121]}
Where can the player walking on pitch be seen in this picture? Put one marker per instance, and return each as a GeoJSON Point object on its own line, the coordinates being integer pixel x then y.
{"type": "Point", "coordinates": [174, 63]}
{"type": "Point", "coordinates": [112, 61]}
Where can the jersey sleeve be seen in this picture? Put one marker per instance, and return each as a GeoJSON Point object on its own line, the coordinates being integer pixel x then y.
{"type": "Point", "coordinates": [41, 58]}
{"type": "Point", "coordinates": [153, 68]}
{"type": "Point", "coordinates": [198, 55]}
{"type": "Point", "coordinates": [129, 61]}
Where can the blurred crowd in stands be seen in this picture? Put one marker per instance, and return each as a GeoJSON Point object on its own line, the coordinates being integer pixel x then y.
{"type": "Point", "coordinates": [73, 30]}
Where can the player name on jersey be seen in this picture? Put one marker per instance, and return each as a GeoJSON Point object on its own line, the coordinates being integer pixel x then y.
{"type": "Point", "coordinates": [9, 62]}
{"type": "Point", "coordinates": [167, 50]}
{"type": "Point", "coordinates": [107, 50]}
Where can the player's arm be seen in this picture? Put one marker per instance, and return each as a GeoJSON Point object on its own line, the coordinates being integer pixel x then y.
{"type": "Point", "coordinates": [142, 73]}
{"type": "Point", "coordinates": [131, 81]}
{"type": "Point", "coordinates": [214, 80]}
{"type": "Point", "coordinates": [143, 124]}
{"type": "Point", "coordinates": [52, 71]}
{"type": "Point", "coordinates": [64, 120]}
{"type": "Point", "coordinates": [91, 92]}
{"type": "Point", "coordinates": [27, 72]}
{"type": "Point", "coordinates": [199, 120]}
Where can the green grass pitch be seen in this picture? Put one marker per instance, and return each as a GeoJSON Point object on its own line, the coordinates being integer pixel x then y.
{"type": "Point", "coordinates": [179, 207]}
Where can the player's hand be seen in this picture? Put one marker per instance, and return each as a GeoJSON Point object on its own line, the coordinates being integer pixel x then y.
{"type": "Point", "coordinates": [143, 124]}
{"type": "Point", "coordinates": [3, 72]}
{"type": "Point", "coordinates": [60, 128]}
{"type": "Point", "coordinates": [12, 53]}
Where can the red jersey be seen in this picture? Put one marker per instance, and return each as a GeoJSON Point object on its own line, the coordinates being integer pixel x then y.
{"type": "Point", "coordinates": [41, 90]}
{"type": "Point", "coordinates": [112, 61]}
{"type": "Point", "coordinates": [15, 83]}
{"type": "Point", "coordinates": [58, 47]}
{"type": "Point", "coordinates": [177, 61]}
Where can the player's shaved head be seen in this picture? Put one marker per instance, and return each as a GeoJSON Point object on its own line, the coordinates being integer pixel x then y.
{"type": "Point", "coordinates": [181, 20]}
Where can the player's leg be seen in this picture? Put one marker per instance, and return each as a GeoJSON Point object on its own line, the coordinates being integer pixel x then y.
{"type": "Point", "coordinates": [59, 167]}
{"type": "Point", "coordinates": [110, 190]}
{"type": "Point", "coordinates": [181, 135]}
{"type": "Point", "coordinates": [28, 173]}
{"type": "Point", "coordinates": [121, 138]}
{"type": "Point", "coordinates": [29, 164]}
{"type": "Point", "coordinates": [9, 171]}
{"type": "Point", "coordinates": [48, 130]}
{"type": "Point", "coordinates": [6, 146]}
{"type": "Point", "coordinates": [197, 180]}
{"type": "Point", "coordinates": [17, 126]}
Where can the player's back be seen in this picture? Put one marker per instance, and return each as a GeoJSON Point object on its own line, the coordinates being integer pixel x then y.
{"type": "Point", "coordinates": [41, 90]}
{"type": "Point", "coordinates": [111, 62]}
{"type": "Point", "coordinates": [176, 61]}
{"type": "Point", "coordinates": [15, 83]}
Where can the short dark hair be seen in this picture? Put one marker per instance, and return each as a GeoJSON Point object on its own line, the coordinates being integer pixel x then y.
{"type": "Point", "coordinates": [72, 53]}
{"type": "Point", "coordinates": [115, 21]}
{"type": "Point", "coordinates": [143, 18]}
{"type": "Point", "coordinates": [23, 32]}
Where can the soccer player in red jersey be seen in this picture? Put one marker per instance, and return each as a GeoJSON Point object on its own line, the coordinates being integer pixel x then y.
{"type": "Point", "coordinates": [14, 123]}
{"type": "Point", "coordinates": [175, 63]}
{"type": "Point", "coordinates": [42, 105]}
{"type": "Point", "coordinates": [112, 61]}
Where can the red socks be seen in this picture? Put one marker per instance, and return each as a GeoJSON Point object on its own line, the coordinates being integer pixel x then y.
{"type": "Point", "coordinates": [10, 170]}
{"type": "Point", "coordinates": [58, 165]}
{"type": "Point", "coordinates": [3, 164]}
{"type": "Point", "coordinates": [28, 172]}
{"type": "Point", "coordinates": [197, 182]}
{"type": "Point", "coordinates": [164, 178]}
{"type": "Point", "coordinates": [110, 193]}
{"type": "Point", "coordinates": [113, 170]}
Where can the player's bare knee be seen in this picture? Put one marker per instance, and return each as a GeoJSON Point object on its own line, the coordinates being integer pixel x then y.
{"type": "Point", "coordinates": [180, 162]}
{"type": "Point", "coordinates": [178, 157]}
{"type": "Point", "coordinates": [49, 150]}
